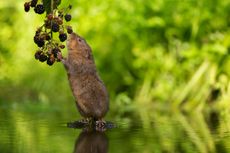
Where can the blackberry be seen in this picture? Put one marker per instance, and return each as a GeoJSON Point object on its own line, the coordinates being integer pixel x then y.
{"type": "Point", "coordinates": [42, 58]}
{"type": "Point", "coordinates": [27, 7]}
{"type": "Point", "coordinates": [59, 21]}
{"type": "Point", "coordinates": [48, 37]}
{"type": "Point", "coordinates": [62, 37]}
{"type": "Point", "coordinates": [55, 27]}
{"type": "Point", "coordinates": [33, 3]}
{"type": "Point", "coordinates": [62, 46]}
{"type": "Point", "coordinates": [36, 38]}
{"type": "Point", "coordinates": [39, 9]}
{"type": "Point", "coordinates": [69, 29]}
{"type": "Point", "coordinates": [55, 52]}
{"type": "Point", "coordinates": [39, 41]}
{"type": "Point", "coordinates": [68, 17]}
{"type": "Point", "coordinates": [37, 54]}
{"type": "Point", "coordinates": [50, 61]}
{"type": "Point", "coordinates": [38, 32]}
{"type": "Point", "coordinates": [50, 16]}
{"type": "Point", "coordinates": [48, 24]}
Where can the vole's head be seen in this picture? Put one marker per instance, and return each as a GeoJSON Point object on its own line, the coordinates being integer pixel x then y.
{"type": "Point", "coordinates": [78, 45]}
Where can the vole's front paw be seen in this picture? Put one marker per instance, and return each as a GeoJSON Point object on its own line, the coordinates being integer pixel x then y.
{"type": "Point", "coordinates": [59, 56]}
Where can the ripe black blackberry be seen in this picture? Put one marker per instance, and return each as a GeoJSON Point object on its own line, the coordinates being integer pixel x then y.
{"type": "Point", "coordinates": [62, 37]}
{"type": "Point", "coordinates": [33, 3]}
{"type": "Point", "coordinates": [68, 17]}
{"type": "Point", "coordinates": [42, 58]}
{"type": "Point", "coordinates": [55, 27]}
{"type": "Point", "coordinates": [39, 9]}
{"type": "Point", "coordinates": [55, 51]}
{"type": "Point", "coordinates": [37, 54]}
{"type": "Point", "coordinates": [50, 61]}
{"type": "Point", "coordinates": [39, 41]}
{"type": "Point", "coordinates": [27, 7]}
{"type": "Point", "coordinates": [38, 31]}
{"type": "Point", "coordinates": [69, 29]}
{"type": "Point", "coordinates": [47, 37]}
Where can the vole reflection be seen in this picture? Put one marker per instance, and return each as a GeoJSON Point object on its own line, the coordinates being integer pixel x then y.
{"type": "Point", "coordinates": [91, 142]}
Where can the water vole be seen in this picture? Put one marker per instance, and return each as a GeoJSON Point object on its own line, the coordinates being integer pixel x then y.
{"type": "Point", "coordinates": [88, 89]}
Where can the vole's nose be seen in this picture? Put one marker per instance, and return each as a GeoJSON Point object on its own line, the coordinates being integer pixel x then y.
{"type": "Point", "coordinates": [72, 36]}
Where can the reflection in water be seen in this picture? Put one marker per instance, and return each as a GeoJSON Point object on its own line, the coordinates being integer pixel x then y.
{"type": "Point", "coordinates": [23, 132]}
{"type": "Point", "coordinates": [91, 142]}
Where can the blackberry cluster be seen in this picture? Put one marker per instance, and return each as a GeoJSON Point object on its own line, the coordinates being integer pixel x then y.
{"type": "Point", "coordinates": [49, 49]}
{"type": "Point", "coordinates": [38, 8]}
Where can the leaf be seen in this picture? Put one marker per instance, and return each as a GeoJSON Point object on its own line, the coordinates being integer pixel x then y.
{"type": "Point", "coordinates": [57, 2]}
{"type": "Point", "coordinates": [47, 5]}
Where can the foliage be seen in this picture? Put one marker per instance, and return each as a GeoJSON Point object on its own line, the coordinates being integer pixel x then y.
{"type": "Point", "coordinates": [156, 57]}
{"type": "Point", "coordinates": [152, 54]}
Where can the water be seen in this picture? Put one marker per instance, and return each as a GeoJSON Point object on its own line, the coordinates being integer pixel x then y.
{"type": "Point", "coordinates": [46, 132]}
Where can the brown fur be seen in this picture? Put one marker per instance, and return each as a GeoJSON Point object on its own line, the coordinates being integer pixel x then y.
{"type": "Point", "coordinates": [91, 142]}
{"type": "Point", "coordinates": [89, 91]}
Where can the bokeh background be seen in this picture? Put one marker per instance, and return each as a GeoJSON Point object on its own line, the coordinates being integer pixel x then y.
{"type": "Point", "coordinates": [153, 55]}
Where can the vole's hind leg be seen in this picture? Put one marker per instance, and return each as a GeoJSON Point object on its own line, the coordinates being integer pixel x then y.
{"type": "Point", "coordinates": [86, 121]}
{"type": "Point", "coordinates": [100, 125]}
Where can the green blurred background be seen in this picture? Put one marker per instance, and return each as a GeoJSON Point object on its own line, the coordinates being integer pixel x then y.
{"type": "Point", "coordinates": [157, 58]}
{"type": "Point", "coordinates": [151, 54]}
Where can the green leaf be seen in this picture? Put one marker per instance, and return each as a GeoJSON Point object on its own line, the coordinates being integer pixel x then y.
{"type": "Point", "coordinates": [47, 5]}
{"type": "Point", "coordinates": [57, 2]}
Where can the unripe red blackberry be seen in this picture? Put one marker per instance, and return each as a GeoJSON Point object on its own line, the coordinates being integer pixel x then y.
{"type": "Point", "coordinates": [68, 17]}
{"type": "Point", "coordinates": [55, 27]}
{"type": "Point", "coordinates": [34, 3]}
{"type": "Point", "coordinates": [50, 16]}
{"type": "Point", "coordinates": [42, 58]}
{"type": "Point", "coordinates": [39, 9]}
{"type": "Point", "coordinates": [27, 7]}
{"type": "Point", "coordinates": [62, 37]}
{"type": "Point", "coordinates": [37, 54]}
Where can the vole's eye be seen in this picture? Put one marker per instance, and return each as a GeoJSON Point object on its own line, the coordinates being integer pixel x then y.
{"type": "Point", "coordinates": [79, 39]}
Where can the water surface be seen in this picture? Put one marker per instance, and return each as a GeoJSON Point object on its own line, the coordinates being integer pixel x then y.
{"type": "Point", "coordinates": [46, 132]}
